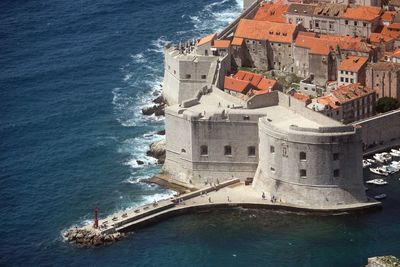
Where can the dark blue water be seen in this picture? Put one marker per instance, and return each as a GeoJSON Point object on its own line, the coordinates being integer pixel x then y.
{"type": "Point", "coordinates": [74, 76]}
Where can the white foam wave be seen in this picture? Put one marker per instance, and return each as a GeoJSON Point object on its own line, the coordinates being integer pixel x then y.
{"type": "Point", "coordinates": [158, 196]}
{"type": "Point", "coordinates": [129, 107]}
{"type": "Point", "coordinates": [139, 58]}
{"type": "Point", "coordinates": [213, 17]}
{"type": "Point", "coordinates": [158, 45]}
{"type": "Point", "coordinates": [137, 148]}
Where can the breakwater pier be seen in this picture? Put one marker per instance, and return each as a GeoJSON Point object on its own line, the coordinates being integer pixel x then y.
{"type": "Point", "coordinates": [229, 194]}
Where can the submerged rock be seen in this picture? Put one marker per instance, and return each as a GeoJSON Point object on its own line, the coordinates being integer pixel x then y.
{"type": "Point", "coordinates": [162, 132]}
{"type": "Point", "coordinates": [157, 150]}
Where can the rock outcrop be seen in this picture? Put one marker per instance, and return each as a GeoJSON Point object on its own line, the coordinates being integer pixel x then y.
{"type": "Point", "coordinates": [383, 261]}
{"type": "Point", "coordinates": [157, 150]}
{"type": "Point", "coordinates": [157, 109]}
{"type": "Point", "coordinates": [87, 238]}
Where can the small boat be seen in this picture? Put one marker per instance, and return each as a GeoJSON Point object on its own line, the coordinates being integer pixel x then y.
{"type": "Point", "coordinates": [382, 157]}
{"type": "Point", "coordinates": [378, 171]}
{"type": "Point", "coordinates": [381, 196]}
{"type": "Point", "coordinates": [371, 161]}
{"type": "Point", "coordinates": [366, 163]}
{"type": "Point", "coordinates": [395, 153]}
{"type": "Point", "coordinates": [395, 164]}
{"type": "Point", "coordinates": [377, 182]}
{"type": "Point", "coordinates": [388, 169]}
{"type": "Point", "coordinates": [392, 169]}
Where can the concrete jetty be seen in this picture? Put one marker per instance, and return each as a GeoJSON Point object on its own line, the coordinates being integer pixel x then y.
{"type": "Point", "coordinates": [228, 194]}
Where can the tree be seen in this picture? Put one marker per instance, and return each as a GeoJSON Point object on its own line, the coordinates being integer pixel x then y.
{"type": "Point", "coordinates": [386, 104]}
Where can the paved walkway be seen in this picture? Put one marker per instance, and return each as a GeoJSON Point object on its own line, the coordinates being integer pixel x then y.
{"type": "Point", "coordinates": [230, 193]}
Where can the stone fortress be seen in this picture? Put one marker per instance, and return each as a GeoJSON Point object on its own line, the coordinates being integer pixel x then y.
{"type": "Point", "coordinates": [271, 140]}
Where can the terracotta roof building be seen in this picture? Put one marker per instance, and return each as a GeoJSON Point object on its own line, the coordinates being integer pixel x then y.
{"type": "Point", "coordinates": [273, 12]}
{"type": "Point", "coordinates": [352, 70]}
{"type": "Point", "coordinates": [265, 30]}
{"type": "Point", "coordinates": [249, 84]}
{"type": "Point", "coordinates": [348, 103]}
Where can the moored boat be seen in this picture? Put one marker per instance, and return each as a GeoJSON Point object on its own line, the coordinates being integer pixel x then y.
{"type": "Point", "coordinates": [366, 163]}
{"type": "Point", "coordinates": [378, 171]}
{"type": "Point", "coordinates": [381, 196]}
{"type": "Point", "coordinates": [377, 182]}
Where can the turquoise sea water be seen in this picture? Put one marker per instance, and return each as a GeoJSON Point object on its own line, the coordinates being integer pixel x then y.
{"type": "Point", "coordinates": [74, 77]}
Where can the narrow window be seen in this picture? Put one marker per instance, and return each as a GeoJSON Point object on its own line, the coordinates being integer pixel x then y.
{"type": "Point", "coordinates": [272, 149]}
{"type": "Point", "coordinates": [183, 150]}
{"type": "Point", "coordinates": [203, 150]}
{"type": "Point", "coordinates": [272, 169]}
{"type": "Point", "coordinates": [336, 173]}
{"type": "Point", "coordinates": [303, 156]}
{"type": "Point", "coordinates": [251, 150]}
{"type": "Point", "coordinates": [204, 77]}
{"type": "Point", "coordinates": [335, 156]}
{"type": "Point", "coordinates": [346, 22]}
{"type": "Point", "coordinates": [174, 71]}
{"type": "Point", "coordinates": [303, 173]}
{"type": "Point", "coordinates": [188, 76]}
{"type": "Point", "coordinates": [246, 118]}
{"type": "Point", "coordinates": [228, 151]}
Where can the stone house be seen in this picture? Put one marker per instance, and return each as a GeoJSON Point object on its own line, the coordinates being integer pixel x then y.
{"type": "Point", "coordinates": [268, 44]}
{"type": "Point", "coordinates": [384, 77]}
{"type": "Point", "coordinates": [360, 21]}
{"type": "Point", "coordinates": [352, 70]}
{"type": "Point", "coordinates": [348, 103]}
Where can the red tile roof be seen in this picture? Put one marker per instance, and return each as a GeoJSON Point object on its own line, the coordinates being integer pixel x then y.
{"type": "Point", "coordinates": [237, 41]}
{"type": "Point", "coordinates": [388, 16]}
{"type": "Point", "coordinates": [350, 92]}
{"type": "Point", "coordinates": [265, 30]}
{"type": "Point", "coordinates": [223, 44]}
{"type": "Point", "coordinates": [396, 53]}
{"type": "Point", "coordinates": [324, 44]}
{"type": "Point", "coordinates": [242, 81]}
{"type": "Point", "coordinates": [301, 97]}
{"type": "Point", "coordinates": [328, 101]}
{"type": "Point", "coordinates": [394, 26]}
{"type": "Point", "coordinates": [364, 13]}
{"type": "Point", "coordinates": [379, 37]}
{"type": "Point", "coordinates": [353, 63]}
{"type": "Point", "coordinates": [274, 12]}
{"type": "Point", "coordinates": [207, 39]}
{"type": "Point", "coordinates": [237, 85]}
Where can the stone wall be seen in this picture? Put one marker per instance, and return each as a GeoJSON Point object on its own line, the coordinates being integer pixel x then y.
{"type": "Point", "coordinates": [185, 75]}
{"type": "Point", "coordinates": [308, 167]}
{"type": "Point", "coordinates": [188, 162]}
{"type": "Point", "coordinates": [381, 131]}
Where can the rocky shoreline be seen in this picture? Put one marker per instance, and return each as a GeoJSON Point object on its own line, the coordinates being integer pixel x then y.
{"type": "Point", "coordinates": [158, 107]}
{"type": "Point", "coordinates": [87, 238]}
